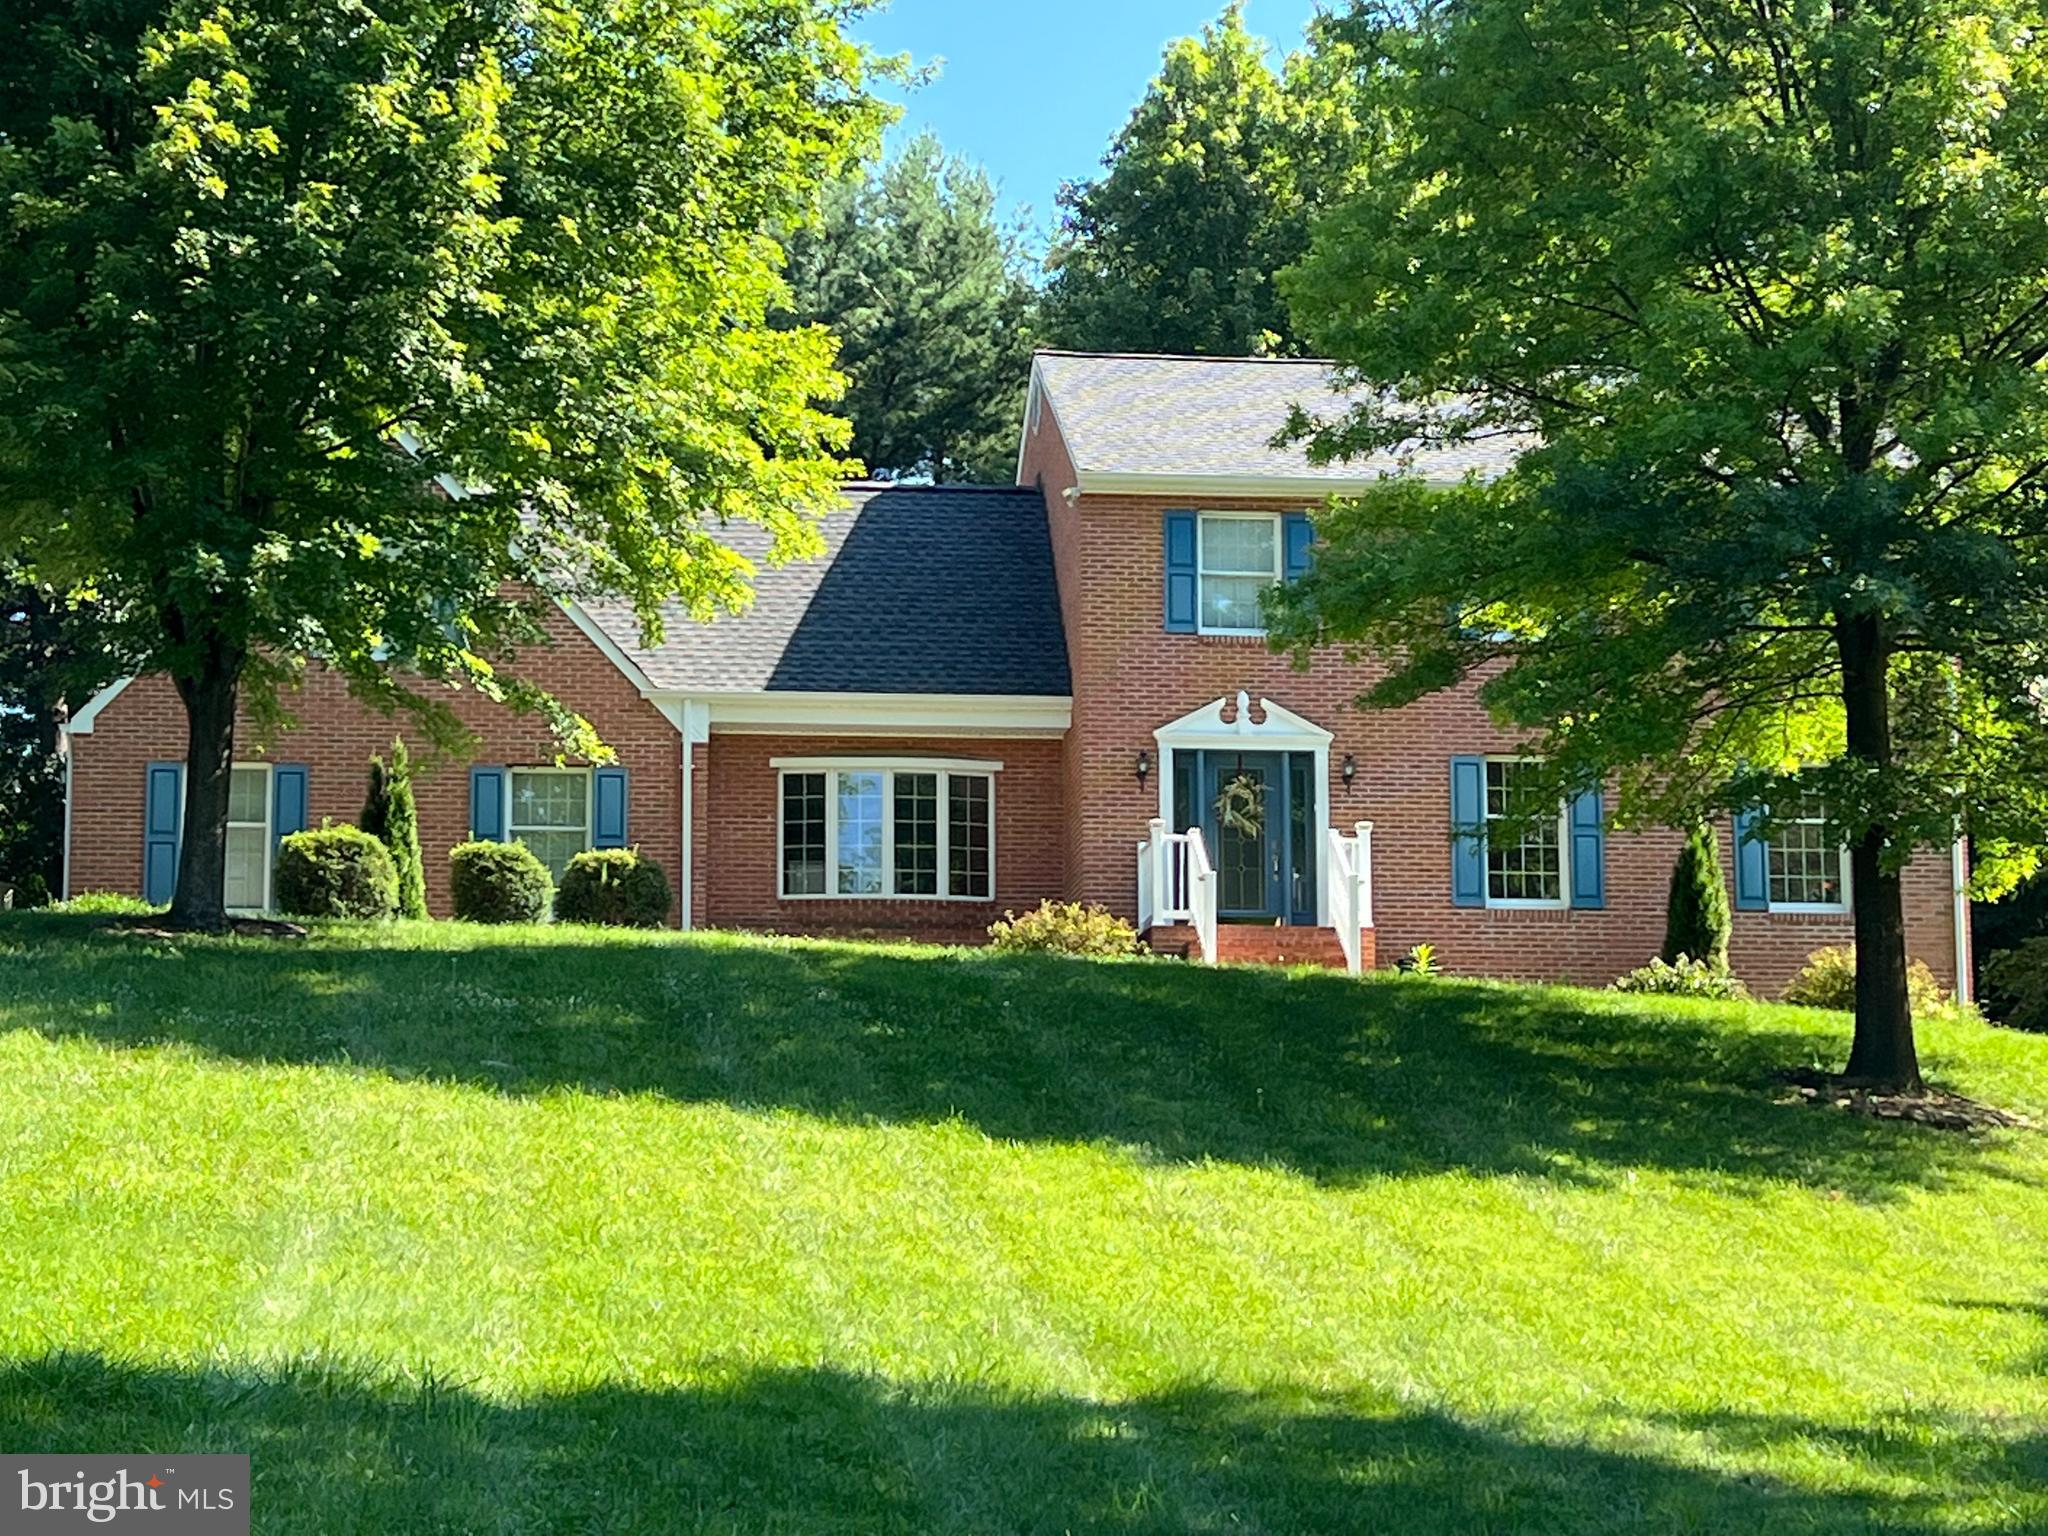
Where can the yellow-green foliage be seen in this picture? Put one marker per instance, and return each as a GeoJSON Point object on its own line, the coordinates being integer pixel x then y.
{"type": "Point", "coordinates": [1828, 980]}
{"type": "Point", "coordinates": [1065, 928]}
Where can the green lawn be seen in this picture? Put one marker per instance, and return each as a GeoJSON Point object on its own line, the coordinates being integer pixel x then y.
{"type": "Point", "coordinates": [551, 1230]}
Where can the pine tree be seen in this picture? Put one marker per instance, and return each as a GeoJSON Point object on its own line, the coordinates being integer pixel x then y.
{"type": "Point", "coordinates": [401, 835]}
{"type": "Point", "coordinates": [1696, 920]}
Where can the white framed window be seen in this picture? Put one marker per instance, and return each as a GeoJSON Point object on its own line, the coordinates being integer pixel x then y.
{"type": "Point", "coordinates": [910, 828]}
{"type": "Point", "coordinates": [250, 810]}
{"type": "Point", "coordinates": [1529, 869]}
{"type": "Point", "coordinates": [550, 813]}
{"type": "Point", "coordinates": [1237, 556]}
{"type": "Point", "coordinates": [1809, 869]}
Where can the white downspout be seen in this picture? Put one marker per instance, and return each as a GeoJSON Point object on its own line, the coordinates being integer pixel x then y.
{"type": "Point", "coordinates": [1959, 893]}
{"type": "Point", "coordinates": [696, 724]}
{"type": "Point", "coordinates": [64, 879]}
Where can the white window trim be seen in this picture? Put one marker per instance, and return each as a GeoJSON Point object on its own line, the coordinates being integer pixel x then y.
{"type": "Point", "coordinates": [512, 832]}
{"type": "Point", "coordinates": [269, 834]}
{"type": "Point", "coordinates": [1811, 908]}
{"type": "Point", "coordinates": [1202, 520]}
{"type": "Point", "coordinates": [888, 767]}
{"type": "Point", "coordinates": [1564, 852]}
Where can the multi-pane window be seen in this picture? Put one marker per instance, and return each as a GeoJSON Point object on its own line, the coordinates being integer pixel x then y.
{"type": "Point", "coordinates": [1238, 558]}
{"type": "Point", "coordinates": [803, 834]}
{"type": "Point", "coordinates": [1805, 859]}
{"type": "Point", "coordinates": [908, 831]}
{"type": "Point", "coordinates": [917, 834]}
{"type": "Point", "coordinates": [551, 814]}
{"type": "Point", "coordinates": [858, 845]}
{"type": "Point", "coordinates": [1525, 858]}
{"type": "Point", "coordinates": [248, 854]}
{"type": "Point", "coordinates": [968, 830]}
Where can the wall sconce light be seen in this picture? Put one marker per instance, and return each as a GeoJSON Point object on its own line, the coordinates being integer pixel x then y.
{"type": "Point", "coordinates": [1144, 766]}
{"type": "Point", "coordinates": [1349, 769]}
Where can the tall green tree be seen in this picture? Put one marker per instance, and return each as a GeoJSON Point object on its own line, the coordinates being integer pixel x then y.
{"type": "Point", "coordinates": [1207, 193]}
{"type": "Point", "coordinates": [928, 292]}
{"type": "Point", "coordinates": [1757, 301]}
{"type": "Point", "coordinates": [49, 661]}
{"type": "Point", "coordinates": [281, 278]}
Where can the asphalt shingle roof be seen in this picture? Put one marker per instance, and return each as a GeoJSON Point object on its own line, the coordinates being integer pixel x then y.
{"type": "Point", "coordinates": [921, 589]}
{"type": "Point", "coordinates": [1125, 414]}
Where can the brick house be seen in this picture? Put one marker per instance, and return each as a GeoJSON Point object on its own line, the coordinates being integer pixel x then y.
{"type": "Point", "coordinates": [980, 697]}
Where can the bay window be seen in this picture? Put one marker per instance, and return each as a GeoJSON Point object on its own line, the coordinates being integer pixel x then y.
{"type": "Point", "coordinates": [909, 829]}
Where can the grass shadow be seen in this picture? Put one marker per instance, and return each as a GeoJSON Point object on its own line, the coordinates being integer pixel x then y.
{"type": "Point", "coordinates": [1334, 1078]}
{"type": "Point", "coordinates": [818, 1450]}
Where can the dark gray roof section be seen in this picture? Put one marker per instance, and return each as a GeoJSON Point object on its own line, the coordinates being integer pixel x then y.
{"type": "Point", "coordinates": [921, 589]}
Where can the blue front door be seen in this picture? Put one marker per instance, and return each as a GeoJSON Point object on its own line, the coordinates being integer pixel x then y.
{"type": "Point", "coordinates": [1244, 824]}
{"type": "Point", "coordinates": [1257, 812]}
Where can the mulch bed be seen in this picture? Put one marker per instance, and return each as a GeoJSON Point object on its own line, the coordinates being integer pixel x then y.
{"type": "Point", "coordinates": [241, 927]}
{"type": "Point", "coordinates": [1931, 1107]}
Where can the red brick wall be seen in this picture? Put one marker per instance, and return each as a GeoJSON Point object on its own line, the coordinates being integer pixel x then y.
{"type": "Point", "coordinates": [334, 736]}
{"type": "Point", "coordinates": [737, 813]}
{"type": "Point", "coordinates": [1130, 677]}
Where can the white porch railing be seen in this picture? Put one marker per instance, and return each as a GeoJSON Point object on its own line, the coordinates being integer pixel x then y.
{"type": "Point", "coordinates": [1347, 890]}
{"type": "Point", "coordinates": [1177, 884]}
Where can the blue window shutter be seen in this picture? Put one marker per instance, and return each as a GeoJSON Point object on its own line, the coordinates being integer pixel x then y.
{"type": "Point", "coordinates": [1752, 864]}
{"type": "Point", "coordinates": [1180, 573]}
{"type": "Point", "coordinates": [608, 814]}
{"type": "Point", "coordinates": [1300, 539]}
{"type": "Point", "coordinates": [163, 817]}
{"type": "Point", "coordinates": [287, 802]}
{"type": "Point", "coordinates": [487, 804]}
{"type": "Point", "coordinates": [1589, 850]}
{"type": "Point", "coordinates": [1468, 831]}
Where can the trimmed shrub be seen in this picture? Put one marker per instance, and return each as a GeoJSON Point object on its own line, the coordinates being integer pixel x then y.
{"type": "Point", "coordinates": [2017, 983]}
{"type": "Point", "coordinates": [1828, 980]}
{"type": "Point", "coordinates": [1696, 917]}
{"type": "Point", "coordinates": [615, 887]}
{"type": "Point", "coordinates": [498, 883]}
{"type": "Point", "coordinates": [1683, 977]}
{"type": "Point", "coordinates": [1064, 928]}
{"type": "Point", "coordinates": [335, 872]}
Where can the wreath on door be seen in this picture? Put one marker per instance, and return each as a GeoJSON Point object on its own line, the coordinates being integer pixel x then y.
{"type": "Point", "coordinates": [1241, 805]}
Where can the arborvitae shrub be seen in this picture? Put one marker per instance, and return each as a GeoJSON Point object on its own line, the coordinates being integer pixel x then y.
{"type": "Point", "coordinates": [376, 817]}
{"type": "Point", "coordinates": [616, 887]}
{"type": "Point", "coordinates": [1696, 919]}
{"type": "Point", "coordinates": [402, 836]}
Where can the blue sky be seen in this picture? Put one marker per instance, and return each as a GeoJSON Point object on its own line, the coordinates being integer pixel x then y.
{"type": "Point", "coordinates": [1034, 92]}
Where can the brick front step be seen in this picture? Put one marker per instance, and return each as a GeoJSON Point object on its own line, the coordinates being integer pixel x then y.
{"type": "Point", "coordinates": [1263, 944]}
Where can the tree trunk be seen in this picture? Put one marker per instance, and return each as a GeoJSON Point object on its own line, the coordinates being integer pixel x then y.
{"type": "Point", "coordinates": [201, 898]}
{"type": "Point", "coordinates": [1882, 1054]}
